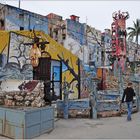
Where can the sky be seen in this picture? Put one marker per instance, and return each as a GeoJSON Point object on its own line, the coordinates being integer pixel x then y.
{"type": "Point", "coordinates": [97, 14]}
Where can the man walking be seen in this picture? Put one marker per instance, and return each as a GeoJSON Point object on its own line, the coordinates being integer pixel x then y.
{"type": "Point", "coordinates": [128, 95]}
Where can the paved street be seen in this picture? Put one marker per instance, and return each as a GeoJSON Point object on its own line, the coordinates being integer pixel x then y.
{"type": "Point", "coordinates": [107, 128]}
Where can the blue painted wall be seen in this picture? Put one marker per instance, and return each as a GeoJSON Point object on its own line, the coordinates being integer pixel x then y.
{"type": "Point", "coordinates": [76, 30]}
{"type": "Point", "coordinates": [16, 18]}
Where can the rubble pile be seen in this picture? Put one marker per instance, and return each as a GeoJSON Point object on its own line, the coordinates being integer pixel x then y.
{"type": "Point", "coordinates": [74, 113]}
{"type": "Point", "coordinates": [34, 98]}
{"type": "Point", "coordinates": [112, 83]}
{"type": "Point", "coordinates": [1, 98]}
{"type": "Point", "coordinates": [105, 114]}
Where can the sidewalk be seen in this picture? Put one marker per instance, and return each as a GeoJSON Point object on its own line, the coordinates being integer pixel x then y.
{"type": "Point", "coordinates": [103, 128]}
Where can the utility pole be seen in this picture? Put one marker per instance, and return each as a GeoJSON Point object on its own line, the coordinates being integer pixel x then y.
{"type": "Point", "coordinates": [120, 80]}
{"type": "Point", "coordinates": [135, 60]}
{"type": "Point", "coordinates": [85, 41]}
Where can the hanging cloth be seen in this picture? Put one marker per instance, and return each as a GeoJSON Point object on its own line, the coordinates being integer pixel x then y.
{"type": "Point", "coordinates": [34, 55]}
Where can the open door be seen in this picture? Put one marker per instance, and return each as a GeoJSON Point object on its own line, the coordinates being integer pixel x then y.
{"type": "Point", "coordinates": [43, 70]}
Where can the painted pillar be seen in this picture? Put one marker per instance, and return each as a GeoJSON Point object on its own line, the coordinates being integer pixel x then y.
{"type": "Point", "coordinates": [137, 90]}
{"type": "Point", "coordinates": [66, 93]}
{"type": "Point", "coordinates": [120, 80]}
{"type": "Point", "coordinates": [137, 95]}
{"type": "Point", "coordinates": [93, 100]}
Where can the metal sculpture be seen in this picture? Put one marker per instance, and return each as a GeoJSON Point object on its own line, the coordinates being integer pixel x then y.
{"type": "Point", "coordinates": [119, 37]}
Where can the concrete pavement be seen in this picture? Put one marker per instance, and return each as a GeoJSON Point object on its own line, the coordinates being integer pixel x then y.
{"type": "Point", "coordinates": [103, 128]}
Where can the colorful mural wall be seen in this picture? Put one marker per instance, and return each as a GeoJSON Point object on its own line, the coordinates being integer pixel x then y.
{"type": "Point", "coordinates": [84, 46]}
{"type": "Point", "coordinates": [76, 30]}
{"type": "Point", "coordinates": [86, 73]}
{"type": "Point", "coordinates": [76, 39]}
{"type": "Point", "coordinates": [15, 58]}
{"type": "Point", "coordinates": [75, 47]}
{"type": "Point", "coordinates": [94, 41]}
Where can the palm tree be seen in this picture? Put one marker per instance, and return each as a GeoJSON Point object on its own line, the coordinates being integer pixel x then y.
{"type": "Point", "coordinates": [134, 33]}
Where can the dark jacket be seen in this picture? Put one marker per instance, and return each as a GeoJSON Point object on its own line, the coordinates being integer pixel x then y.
{"type": "Point", "coordinates": [128, 93]}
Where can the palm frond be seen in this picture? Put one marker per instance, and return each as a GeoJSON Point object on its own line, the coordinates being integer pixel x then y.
{"type": "Point", "coordinates": [131, 28]}
{"type": "Point", "coordinates": [134, 31]}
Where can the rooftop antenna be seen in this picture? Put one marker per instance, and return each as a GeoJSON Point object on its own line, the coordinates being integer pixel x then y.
{"type": "Point", "coordinates": [18, 3]}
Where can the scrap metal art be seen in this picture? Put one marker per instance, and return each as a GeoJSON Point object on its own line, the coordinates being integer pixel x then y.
{"type": "Point", "coordinates": [35, 54]}
{"type": "Point", "coordinates": [38, 48]}
{"type": "Point", "coordinates": [119, 37]}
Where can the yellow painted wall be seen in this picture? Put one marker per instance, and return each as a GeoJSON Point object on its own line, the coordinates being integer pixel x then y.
{"type": "Point", "coordinates": [4, 40]}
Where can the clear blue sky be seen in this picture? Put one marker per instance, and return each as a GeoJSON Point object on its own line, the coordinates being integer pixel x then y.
{"type": "Point", "coordinates": [97, 13]}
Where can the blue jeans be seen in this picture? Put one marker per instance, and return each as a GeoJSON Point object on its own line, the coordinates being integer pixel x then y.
{"type": "Point", "coordinates": [129, 110]}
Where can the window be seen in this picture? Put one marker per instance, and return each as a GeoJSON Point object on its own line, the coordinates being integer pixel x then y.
{"type": "Point", "coordinates": [21, 28]}
{"type": "Point", "coordinates": [108, 41]}
{"type": "Point", "coordinates": [63, 36]}
{"type": "Point", "coordinates": [2, 23]}
{"type": "Point", "coordinates": [21, 16]}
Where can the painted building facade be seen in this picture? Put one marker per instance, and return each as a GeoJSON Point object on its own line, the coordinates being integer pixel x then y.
{"type": "Point", "coordinates": [16, 64]}
{"type": "Point", "coordinates": [13, 18]}
{"type": "Point", "coordinates": [71, 34]}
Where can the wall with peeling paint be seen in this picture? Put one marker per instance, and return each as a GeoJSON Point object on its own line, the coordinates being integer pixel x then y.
{"type": "Point", "coordinates": [56, 27]}
{"type": "Point", "coordinates": [19, 19]}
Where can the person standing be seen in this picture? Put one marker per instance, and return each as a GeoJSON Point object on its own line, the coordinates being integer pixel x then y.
{"type": "Point", "coordinates": [128, 96]}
